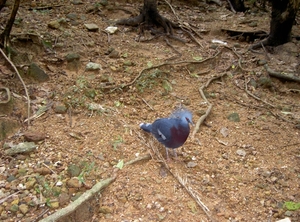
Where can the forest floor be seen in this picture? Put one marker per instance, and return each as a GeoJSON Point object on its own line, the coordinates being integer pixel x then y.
{"type": "Point", "coordinates": [243, 163]}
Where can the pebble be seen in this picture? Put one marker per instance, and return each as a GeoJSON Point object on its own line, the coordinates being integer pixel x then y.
{"type": "Point", "coordinates": [241, 152]}
{"type": "Point", "coordinates": [191, 164]}
{"type": "Point", "coordinates": [74, 183]}
{"type": "Point", "coordinates": [92, 27]}
{"type": "Point", "coordinates": [23, 208]}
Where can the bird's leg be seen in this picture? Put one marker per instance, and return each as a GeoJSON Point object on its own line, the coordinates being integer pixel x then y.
{"type": "Point", "coordinates": [174, 153]}
{"type": "Point", "coordinates": [167, 153]}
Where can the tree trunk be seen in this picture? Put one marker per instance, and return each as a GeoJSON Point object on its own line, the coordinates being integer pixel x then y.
{"type": "Point", "coordinates": [283, 17]}
{"type": "Point", "coordinates": [282, 20]}
{"type": "Point", "coordinates": [237, 5]}
{"type": "Point", "coordinates": [149, 16]}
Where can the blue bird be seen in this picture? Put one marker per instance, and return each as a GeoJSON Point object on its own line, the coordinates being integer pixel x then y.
{"type": "Point", "coordinates": [172, 132]}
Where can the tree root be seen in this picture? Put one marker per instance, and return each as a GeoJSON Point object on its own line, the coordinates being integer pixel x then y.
{"type": "Point", "coordinates": [280, 75]}
{"type": "Point", "coordinates": [77, 203]}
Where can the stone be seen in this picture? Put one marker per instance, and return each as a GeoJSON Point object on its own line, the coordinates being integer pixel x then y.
{"type": "Point", "coordinates": [241, 152]}
{"type": "Point", "coordinates": [25, 147]}
{"type": "Point", "coordinates": [54, 24]}
{"type": "Point", "coordinates": [114, 54]}
{"type": "Point", "coordinates": [36, 73]}
{"type": "Point", "coordinates": [60, 108]}
{"type": "Point", "coordinates": [73, 61]}
{"type": "Point", "coordinates": [54, 205]}
{"type": "Point", "coordinates": [91, 66]}
{"type": "Point", "coordinates": [43, 171]}
{"type": "Point", "coordinates": [234, 117]}
{"type": "Point", "coordinates": [7, 126]}
{"type": "Point", "coordinates": [73, 170]}
{"type": "Point", "coordinates": [105, 210]}
{"type": "Point", "coordinates": [92, 27]}
{"type": "Point", "coordinates": [74, 183]}
{"type": "Point", "coordinates": [30, 183]}
{"type": "Point", "coordinates": [34, 136]}
{"type": "Point", "coordinates": [23, 208]}
{"type": "Point", "coordinates": [191, 164]}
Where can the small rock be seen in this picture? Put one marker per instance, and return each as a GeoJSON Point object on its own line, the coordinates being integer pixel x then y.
{"type": "Point", "coordinates": [43, 171]}
{"type": "Point", "coordinates": [234, 117]}
{"type": "Point", "coordinates": [91, 66]}
{"type": "Point", "coordinates": [76, 2]}
{"type": "Point", "coordinates": [73, 170]}
{"type": "Point", "coordinates": [23, 208]}
{"type": "Point", "coordinates": [241, 152]}
{"type": "Point", "coordinates": [72, 57]}
{"type": "Point", "coordinates": [63, 199]}
{"type": "Point", "coordinates": [111, 29]}
{"type": "Point", "coordinates": [74, 183]}
{"type": "Point", "coordinates": [14, 208]}
{"type": "Point", "coordinates": [60, 108]}
{"type": "Point", "coordinates": [54, 24]}
{"type": "Point", "coordinates": [36, 73]}
{"type": "Point", "coordinates": [92, 27]}
{"type": "Point", "coordinates": [224, 131]}
{"type": "Point", "coordinates": [25, 147]}
{"type": "Point", "coordinates": [11, 178]}
{"type": "Point", "coordinates": [265, 82]}
{"type": "Point", "coordinates": [34, 136]}
{"type": "Point", "coordinates": [191, 164]}
{"type": "Point", "coordinates": [104, 2]}
{"type": "Point", "coordinates": [30, 183]}
{"type": "Point", "coordinates": [73, 61]}
{"type": "Point", "coordinates": [105, 210]}
{"type": "Point", "coordinates": [54, 205]}
{"type": "Point", "coordinates": [114, 54]}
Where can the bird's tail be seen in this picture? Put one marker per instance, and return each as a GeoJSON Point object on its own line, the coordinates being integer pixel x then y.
{"type": "Point", "coordinates": [146, 126]}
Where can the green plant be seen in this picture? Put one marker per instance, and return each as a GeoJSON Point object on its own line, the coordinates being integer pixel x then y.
{"type": "Point", "coordinates": [117, 142]}
{"type": "Point", "coordinates": [150, 80]}
{"type": "Point", "coordinates": [290, 205]}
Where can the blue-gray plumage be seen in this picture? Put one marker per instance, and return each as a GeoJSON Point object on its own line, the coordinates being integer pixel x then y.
{"type": "Point", "coordinates": [172, 132]}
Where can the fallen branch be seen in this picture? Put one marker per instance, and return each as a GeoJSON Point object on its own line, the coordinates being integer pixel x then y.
{"type": "Point", "coordinates": [203, 117]}
{"type": "Point", "coordinates": [77, 203]}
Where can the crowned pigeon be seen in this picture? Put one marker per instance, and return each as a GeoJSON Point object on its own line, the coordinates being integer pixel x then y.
{"type": "Point", "coordinates": [172, 132]}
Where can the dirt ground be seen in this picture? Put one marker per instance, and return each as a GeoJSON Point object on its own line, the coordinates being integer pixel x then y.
{"type": "Point", "coordinates": [244, 169]}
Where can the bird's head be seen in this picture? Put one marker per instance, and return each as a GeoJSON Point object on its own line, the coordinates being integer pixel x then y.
{"type": "Point", "coordinates": [184, 115]}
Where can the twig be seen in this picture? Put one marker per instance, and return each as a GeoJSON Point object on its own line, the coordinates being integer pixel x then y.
{"type": "Point", "coordinates": [265, 51]}
{"type": "Point", "coordinates": [9, 196]}
{"type": "Point", "coordinates": [173, 57]}
{"type": "Point", "coordinates": [147, 104]}
{"type": "Point", "coordinates": [25, 88]}
{"type": "Point", "coordinates": [49, 168]}
{"type": "Point", "coordinates": [145, 157]}
{"type": "Point", "coordinates": [172, 10]}
{"type": "Point", "coordinates": [194, 195]}
{"type": "Point", "coordinates": [74, 205]}
{"type": "Point", "coordinates": [41, 215]}
{"type": "Point", "coordinates": [255, 97]}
